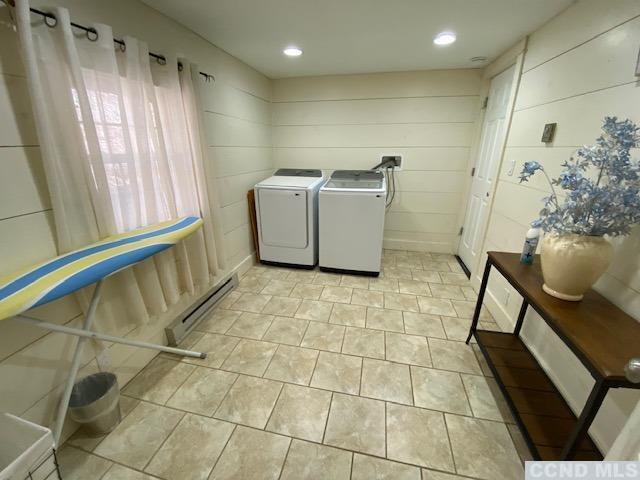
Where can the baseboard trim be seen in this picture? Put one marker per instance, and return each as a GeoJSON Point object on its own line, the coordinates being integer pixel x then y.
{"type": "Point", "coordinates": [417, 245]}
{"type": "Point", "coordinates": [463, 266]}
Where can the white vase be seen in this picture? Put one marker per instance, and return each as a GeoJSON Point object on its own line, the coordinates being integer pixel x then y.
{"type": "Point", "coordinates": [571, 264]}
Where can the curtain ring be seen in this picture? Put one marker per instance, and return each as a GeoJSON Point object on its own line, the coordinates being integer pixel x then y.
{"type": "Point", "coordinates": [180, 67]}
{"type": "Point", "coordinates": [161, 60]}
{"type": "Point", "coordinates": [50, 20]}
{"type": "Point", "coordinates": [92, 34]}
{"type": "Point", "coordinates": [122, 46]}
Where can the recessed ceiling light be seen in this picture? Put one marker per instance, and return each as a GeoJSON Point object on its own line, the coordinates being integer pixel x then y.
{"type": "Point", "coordinates": [445, 38]}
{"type": "Point", "coordinates": [292, 52]}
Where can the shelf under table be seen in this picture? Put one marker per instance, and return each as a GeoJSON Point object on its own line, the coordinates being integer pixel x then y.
{"type": "Point", "coordinates": [541, 412]}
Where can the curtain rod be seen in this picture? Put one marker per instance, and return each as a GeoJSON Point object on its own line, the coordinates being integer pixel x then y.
{"type": "Point", "coordinates": [92, 35]}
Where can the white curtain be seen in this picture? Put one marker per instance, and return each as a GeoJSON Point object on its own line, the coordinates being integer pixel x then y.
{"type": "Point", "coordinates": [122, 143]}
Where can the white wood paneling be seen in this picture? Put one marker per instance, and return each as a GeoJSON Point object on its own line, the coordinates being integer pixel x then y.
{"type": "Point", "coordinates": [16, 123]}
{"type": "Point", "coordinates": [23, 187]}
{"type": "Point", "coordinates": [579, 118]}
{"type": "Point", "coordinates": [228, 100]}
{"type": "Point", "coordinates": [409, 135]}
{"type": "Point", "coordinates": [333, 158]}
{"type": "Point", "coordinates": [575, 72]}
{"type": "Point", "coordinates": [230, 161]}
{"type": "Point", "coordinates": [575, 26]}
{"type": "Point", "coordinates": [234, 189]}
{"type": "Point", "coordinates": [235, 215]}
{"type": "Point", "coordinates": [430, 181]}
{"type": "Point", "coordinates": [420, 222]}
{"type": "Point", "coordinates": [418, 241]}
{"type": "Point", "coordinates": [225, 131]}
{"type": "Point", "coordinates": [426, 202]}
{"type": "Point", "coordinates": [384, 111]}
{"type": "Point", "coordinates": [26, 240]}
{"type": "Point", "coordinates": [430, 83]}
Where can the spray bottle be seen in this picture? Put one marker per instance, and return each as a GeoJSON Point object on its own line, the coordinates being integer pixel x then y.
{"type": "Point", "coordinates": [530, 245]}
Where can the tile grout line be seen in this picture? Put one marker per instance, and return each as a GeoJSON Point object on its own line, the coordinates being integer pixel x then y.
{"type": "Point", "coordinates": [224, 397]}
{"type": "Point", "coordinates": [353, 458]}
{"type": "Point", "coordinates": [413, 394]}
{"type": "Point", "coordinates": [182, 383]}
{"type": "Point", "coordinates": [446, 428]}
{"type": "Point", "coordinates": [275, 404]}
{"type": "Point", "coordinates": [326, 424]}
{"type": "Point", "coordinates": [286, 456]}
{"type": "Point", "coordinates": [184, 414]}
{"type": "Point", "coordinates": [235, 427]}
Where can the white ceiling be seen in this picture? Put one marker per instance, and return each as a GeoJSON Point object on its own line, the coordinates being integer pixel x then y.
{"type": "Point", "coordinates": [359, 36]}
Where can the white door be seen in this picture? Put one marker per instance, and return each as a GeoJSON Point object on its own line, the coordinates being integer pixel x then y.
{"type": "Point", "coordinates": [486, 167]}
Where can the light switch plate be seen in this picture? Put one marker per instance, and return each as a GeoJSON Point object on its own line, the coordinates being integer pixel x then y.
{"type": "Point", "coordinates": [512, 167]}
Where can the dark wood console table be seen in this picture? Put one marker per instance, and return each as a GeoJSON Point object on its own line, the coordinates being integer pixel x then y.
{"type": "Point", "coordinates": [602, 336]}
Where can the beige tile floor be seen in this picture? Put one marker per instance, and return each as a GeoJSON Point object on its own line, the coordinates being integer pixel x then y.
{"type": "Point", "coordinates": [313, 375]}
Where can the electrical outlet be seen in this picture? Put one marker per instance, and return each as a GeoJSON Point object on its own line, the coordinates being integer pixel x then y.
{"type": "Point", "coordinates": [396, 158]}
{"type": "Point", "coordinates": [104, 360]}
{"type": "Point", "coordinates": [505, 298]}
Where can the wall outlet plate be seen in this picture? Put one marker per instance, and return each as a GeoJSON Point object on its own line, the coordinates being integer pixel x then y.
{"type": "Point", "coordinates": [548, 133]}
{"type": "Point", "coordinates": [398, 159]}
{"type": "Point", "coordinates": [507, 295]}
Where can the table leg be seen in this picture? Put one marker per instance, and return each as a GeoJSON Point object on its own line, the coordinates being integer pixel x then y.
{"type": "Point", "coordinates": [523, 311]}
{"type": "Point", "coordinates": [591, 407]}
{"type": "Point", "coordinates": [483, 289]}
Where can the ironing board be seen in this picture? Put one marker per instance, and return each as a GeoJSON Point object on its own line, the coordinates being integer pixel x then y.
{"type": "Point", "coordinates": [55, 278]}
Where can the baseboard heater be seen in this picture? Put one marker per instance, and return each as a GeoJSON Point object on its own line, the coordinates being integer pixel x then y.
{"type": "Point", "coordinates": [185, 323]}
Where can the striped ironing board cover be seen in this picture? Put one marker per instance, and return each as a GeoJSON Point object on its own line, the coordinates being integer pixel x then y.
{"type": "Point", "coordinates": [60, 276]}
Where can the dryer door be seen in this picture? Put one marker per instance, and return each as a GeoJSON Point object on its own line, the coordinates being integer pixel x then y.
{"type": "Point", "coordinates": [283, 217]}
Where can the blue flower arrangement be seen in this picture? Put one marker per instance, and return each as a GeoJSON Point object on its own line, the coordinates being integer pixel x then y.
{"type": "Point", "coordinates": [602, 185]}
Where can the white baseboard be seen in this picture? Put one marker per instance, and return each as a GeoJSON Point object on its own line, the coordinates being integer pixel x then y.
{"type": "Point", "coordinates": [245, 265]}
{"type": "Point", "coordinates": [417, 245]}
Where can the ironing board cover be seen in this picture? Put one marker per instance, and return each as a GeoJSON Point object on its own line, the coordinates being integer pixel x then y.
{"type": "Point", "coordinates": [60, 276]}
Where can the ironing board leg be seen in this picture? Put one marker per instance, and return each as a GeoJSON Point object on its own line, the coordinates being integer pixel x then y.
{"type": "Point", "coordinates": [78, 332]}
{"type": "Point", "coordinates": [75, 365]}
{"type": "Point", "coordinates": [84, 334]}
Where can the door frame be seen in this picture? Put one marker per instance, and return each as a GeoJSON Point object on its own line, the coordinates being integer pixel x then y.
{"type": "Point", "coordinates": [496, 68]}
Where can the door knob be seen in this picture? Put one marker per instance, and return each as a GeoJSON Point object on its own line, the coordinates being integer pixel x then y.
{"type": "Point", "coordinates": [632, 370]}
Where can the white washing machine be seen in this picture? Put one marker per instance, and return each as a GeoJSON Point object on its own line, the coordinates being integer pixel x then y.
{"type": "Point", "coordinates": [287, 217]}
{"type": "Point", "coordinates": [351, 210]}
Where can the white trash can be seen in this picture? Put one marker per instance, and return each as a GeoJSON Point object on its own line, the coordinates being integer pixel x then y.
{"type": "Point", "coordinates": [95, 403]}
{"type": "Point", "coordinates": [26, 450]}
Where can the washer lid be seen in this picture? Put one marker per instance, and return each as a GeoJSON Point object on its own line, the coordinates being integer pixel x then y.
{"type": "Point", "coordinates": [356, 180]}
{"type": "Point", "coordinates": [289, 182]}
{"type": "Point", "coordinates": [297, 172]}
